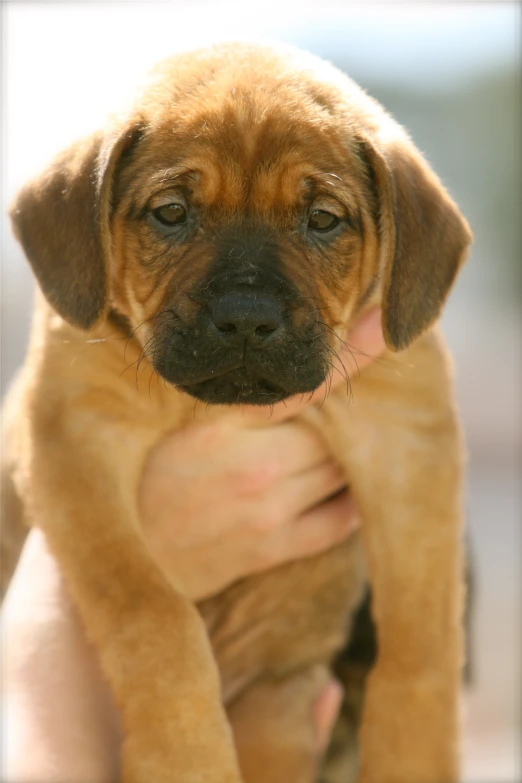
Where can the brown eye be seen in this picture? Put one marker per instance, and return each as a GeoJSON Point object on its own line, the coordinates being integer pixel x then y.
{"type": "Point", "coordinates": [320, 220]}
{"type": "Point", "coordinates": [170, 214]}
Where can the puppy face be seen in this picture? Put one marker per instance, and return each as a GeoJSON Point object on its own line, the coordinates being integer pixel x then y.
{"type": "Point", "coordinates": [238, 242]}
{"type": "Point", "coordinates": [249, 205]}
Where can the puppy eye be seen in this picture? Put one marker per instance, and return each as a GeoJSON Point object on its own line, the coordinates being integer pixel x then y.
{"type": "Point", "coordinates": [170, 214]}
{"type": "Point", "coordinates": [320, 220]}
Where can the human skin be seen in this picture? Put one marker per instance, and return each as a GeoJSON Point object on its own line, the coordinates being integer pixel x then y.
{"type": "Point", "coordinates": [268, 491]}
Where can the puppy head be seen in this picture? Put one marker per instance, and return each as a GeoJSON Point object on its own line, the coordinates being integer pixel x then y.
{"type": "Point", "coordinates": [249, 206]}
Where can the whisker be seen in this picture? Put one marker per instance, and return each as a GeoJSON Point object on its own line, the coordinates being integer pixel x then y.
{"type": "Point", "coordinates": [99, 340]}
{"type": "Point", "coordinates": [153, 373]}
{"type": "Point", "coordinates": [333, 352]}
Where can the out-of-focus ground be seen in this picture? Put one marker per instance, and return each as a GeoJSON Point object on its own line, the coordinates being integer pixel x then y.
{"type": "Point", "coordinates": [451, 74]}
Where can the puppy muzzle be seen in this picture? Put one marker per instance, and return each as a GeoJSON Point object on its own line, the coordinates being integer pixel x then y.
{"type": "Point", "coordinates": [243, 347]}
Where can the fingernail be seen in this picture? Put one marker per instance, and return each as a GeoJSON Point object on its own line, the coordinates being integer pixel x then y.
{"type": "Point", "coordinates": [325, 710]}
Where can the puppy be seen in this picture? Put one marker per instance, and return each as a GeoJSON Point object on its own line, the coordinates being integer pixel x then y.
{"type": "Point", "coordinates": [251, 204]}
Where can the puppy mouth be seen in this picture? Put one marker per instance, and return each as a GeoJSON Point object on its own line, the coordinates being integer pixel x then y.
{"type": "Point", "coordinates": [252, 378]}
{"type": "Point", "coordinates": [247, 377]}
{"type": "Point", "coordinates": [238, 386]}
{"type": "Point", "coordinates": [243, 347]}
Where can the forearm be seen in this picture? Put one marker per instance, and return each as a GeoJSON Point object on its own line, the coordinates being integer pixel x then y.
{"type": "Point", "coordinates": [55, 702]}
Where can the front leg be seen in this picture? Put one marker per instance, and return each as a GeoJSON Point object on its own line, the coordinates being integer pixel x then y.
{"type": "Point", "coordinates": [401, 447]}
{"type": "Point", "coordinates": [151, 641]}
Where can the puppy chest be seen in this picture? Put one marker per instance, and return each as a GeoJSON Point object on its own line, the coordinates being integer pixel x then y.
{"type": "Point", "coordinates": [287, 618]}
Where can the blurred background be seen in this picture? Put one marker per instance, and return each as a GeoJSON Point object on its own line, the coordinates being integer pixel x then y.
{"type": "Point", "coordinates": [449, 72]}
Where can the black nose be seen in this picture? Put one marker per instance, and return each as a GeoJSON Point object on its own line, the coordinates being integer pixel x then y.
{"type": "Point", "coordinates": [246, 316]}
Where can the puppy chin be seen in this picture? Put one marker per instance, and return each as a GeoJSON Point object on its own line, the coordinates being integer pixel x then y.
{"type": "Point", "coordinates": [236, 389]}
{"type": "Point", "coordinates": [242, 386]}
{"type": "Point", "coordinates": [236, 375]}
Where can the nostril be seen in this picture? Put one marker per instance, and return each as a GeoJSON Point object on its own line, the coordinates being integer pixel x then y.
{"type": "Point", "coordinates": [265, 329]}
{"type": "Point", "coordinates": [246, 315]}
{"type": "Point", "coordinates": [227, 328]}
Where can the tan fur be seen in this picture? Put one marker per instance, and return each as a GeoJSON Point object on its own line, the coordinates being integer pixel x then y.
{"type": "Point", "coordinates": [243, 129]}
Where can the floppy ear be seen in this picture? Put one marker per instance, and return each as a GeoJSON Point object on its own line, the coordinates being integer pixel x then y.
{"type": "Point", "coordinates": [424, 239]}
{"type": "Point", "coordinates": [61, 219]}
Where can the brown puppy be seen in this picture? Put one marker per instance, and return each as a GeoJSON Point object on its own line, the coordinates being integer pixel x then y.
{"type": "Point", "coordinates": [250, 205]}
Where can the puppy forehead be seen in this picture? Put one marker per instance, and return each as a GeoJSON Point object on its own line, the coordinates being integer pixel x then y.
{"type": "Point", "coordinates": [245, 145]}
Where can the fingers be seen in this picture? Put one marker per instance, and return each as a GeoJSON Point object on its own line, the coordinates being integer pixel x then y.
{"type": "Point", "coordinates": [247, 474]}
{"type": "Point", "coordinates": [253, 548]}
{"type": "Point", "coordinates": [302, 493]}
{"type": "Point", "coordinates": [364, 343]}
{"type": "Point", "coordinates": [271, 455]}
{"type": "Point", "coordinates": [291, 498]}
{"type": "Point", "coordinates": [316, 531]}
{"type": "Point", "coordinates": [355, 350]}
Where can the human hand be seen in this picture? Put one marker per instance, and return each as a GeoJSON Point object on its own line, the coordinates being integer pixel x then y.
{"type": "Point", "coordinates": [224, 499]}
